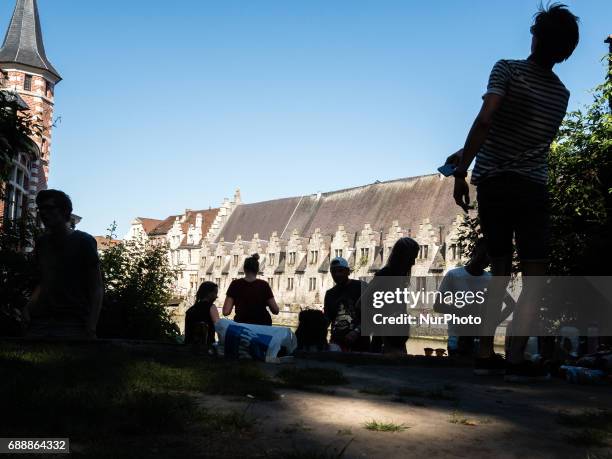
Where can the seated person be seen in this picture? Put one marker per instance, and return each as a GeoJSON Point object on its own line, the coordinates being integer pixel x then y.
{"type": "Point", "coordinates": [203, 311]}
{"type": "Point", "coordinates": [341, 308]}
{"type": "Point", "coordinates": [311, 333]}
{"type": "Point", "coordinates": [67, 301]}
{"type": "Point", "coordinates": [252, 297]}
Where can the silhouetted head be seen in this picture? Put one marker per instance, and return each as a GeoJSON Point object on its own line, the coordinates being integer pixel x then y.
{"type": "Point", "coordinates": [555, 33]}
{"type": "Point", "coordinates": [479, 261]}
{"type": "Point", "coordinates": [339, 270]}
{"type": "Point", "coordinates": [207, 292]}
{"type": "Point", "coordinates": [54, 208]}
{"type": "Point", "coordinates": [402, 256]}
{"type": "Point", "coordinates": [251, 264]}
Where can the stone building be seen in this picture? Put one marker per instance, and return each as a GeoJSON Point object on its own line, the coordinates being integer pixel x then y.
{"type": "Point", "coordinates": [297, 237]}
{"type": "Point", "coordinates": [27, 76]}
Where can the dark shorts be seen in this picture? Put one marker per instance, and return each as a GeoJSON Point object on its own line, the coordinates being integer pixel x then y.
{"type": "Point", "coordinates": [511, 206]}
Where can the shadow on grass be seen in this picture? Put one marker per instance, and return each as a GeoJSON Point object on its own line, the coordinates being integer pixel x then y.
{"type": "Point", "coordinates": [103, 392]}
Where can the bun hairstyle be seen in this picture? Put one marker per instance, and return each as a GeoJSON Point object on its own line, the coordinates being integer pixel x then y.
{"type": "Point", "coordinates": [251, 264]}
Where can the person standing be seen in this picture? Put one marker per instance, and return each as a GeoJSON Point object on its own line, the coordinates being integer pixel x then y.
{"type": "Point", "coordinates": [522, 111]}
{"type": "Point", "coordinates": [250, 296]}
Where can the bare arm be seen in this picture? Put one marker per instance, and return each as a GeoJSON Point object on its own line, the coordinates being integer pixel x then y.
{"type": "Point", "coordinates": [228, 305]}
{"type": "Point", "coordinates": [97, 295]}
{"type": "Point", "coordinates": [274, 309]}
{"type": "Point", "coordinates": [214, 314]}
{"type": "Point", "coordinates": [475, 139]}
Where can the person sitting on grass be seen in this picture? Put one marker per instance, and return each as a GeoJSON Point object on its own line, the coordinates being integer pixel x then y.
{"type": "Point", "coordinates": [395, 274]}
{"type": "Point", "coordinates": [202, 314]}
{"type": "Point", "coordinates": [341, 308]}
{"type": "Point", "coordinates": [67, 301]}
{"type": "Point", "coordinates": [250, 296]}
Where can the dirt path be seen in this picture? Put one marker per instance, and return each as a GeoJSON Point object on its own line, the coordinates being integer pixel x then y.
{"type": "Point", "coordinates": [446, 412]}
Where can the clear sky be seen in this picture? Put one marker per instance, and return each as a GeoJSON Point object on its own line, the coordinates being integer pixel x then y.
{"type": "Point", "coordinates": [173, 105]}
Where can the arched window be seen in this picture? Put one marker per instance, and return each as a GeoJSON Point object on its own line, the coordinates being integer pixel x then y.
{"type": "Point", "coordinates": [17, 189]}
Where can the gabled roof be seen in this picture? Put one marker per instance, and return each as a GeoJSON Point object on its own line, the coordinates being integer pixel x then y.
{"type": "Point", "coordinates": [23, 42]}
{"type": "Point", "coordinates": [408, 200]}
{"type": "Point", "coordinates": [149, 224]}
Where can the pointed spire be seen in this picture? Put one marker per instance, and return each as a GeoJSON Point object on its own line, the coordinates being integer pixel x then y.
{"type": "Point", "coordinates": [23, 43]}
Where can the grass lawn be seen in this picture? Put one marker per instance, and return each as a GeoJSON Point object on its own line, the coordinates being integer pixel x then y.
{"type": "Point", "coordinates": [121, 402]}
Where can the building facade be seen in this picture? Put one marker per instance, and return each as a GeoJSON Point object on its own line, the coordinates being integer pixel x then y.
{"type": "Point", "coordinates": [297, 237]}
{"type": "Point", "coordinates": [29, 77]}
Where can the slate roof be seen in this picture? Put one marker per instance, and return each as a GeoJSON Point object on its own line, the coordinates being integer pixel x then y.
{"type": "Point", "coordinates": [163, 226]}
{"type": "Point", "coordinates": [408, 200]}
{"type": "Point", "coordinates": [23, 42]}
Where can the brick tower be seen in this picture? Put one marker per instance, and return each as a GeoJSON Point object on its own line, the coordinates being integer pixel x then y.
{"type": "Point", "coordinates": [28, 74]}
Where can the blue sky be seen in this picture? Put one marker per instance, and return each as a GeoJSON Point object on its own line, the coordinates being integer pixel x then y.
{"type": "Point", "coordinates": [172, 105]}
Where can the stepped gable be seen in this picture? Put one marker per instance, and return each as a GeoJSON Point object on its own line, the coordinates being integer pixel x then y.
{"type": "Point", "coordinates": [149, 224]}
{"type": "Point", "coordinates": [163, 228]}
{"type": "Point", "coordinates": [408, 200]}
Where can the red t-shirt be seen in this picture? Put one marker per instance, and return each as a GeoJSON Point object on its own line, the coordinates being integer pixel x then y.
{"type": "Point", "coordinates": [251, 301]}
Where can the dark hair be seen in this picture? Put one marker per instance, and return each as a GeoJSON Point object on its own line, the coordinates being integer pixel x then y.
{"type": "Point", "coordinates": [204, 289]}
{"type": "Point", "coordinates": [251, 264]}
{"type": "Point", "coordinates": [402, 256]}
{"type": "Point", "coordinates": [62, 200]}
{"type": "Point", "coordinates": [312, 330]}
{"type": "Point", "coordinates": [556, 30]}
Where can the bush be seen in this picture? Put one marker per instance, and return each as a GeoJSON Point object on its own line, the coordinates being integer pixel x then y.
{"type": "Point", "coordinates": [138, 282]}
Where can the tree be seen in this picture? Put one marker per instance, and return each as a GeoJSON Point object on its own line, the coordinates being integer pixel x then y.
{"type": "Point", "coordinates": [138, 282]}
{"type": "Point", "coordinates": [581, 188]}
{"type": "Point", "coordinates": [17, 129]}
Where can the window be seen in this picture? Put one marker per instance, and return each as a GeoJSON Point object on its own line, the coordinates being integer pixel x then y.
{"type": "Point", "coordinates": [453, 251]}
{"type": "Point", "coordinates": [27, 83]}
{"type": "Point", "coordinates": [189, 256]}
{"type": "Point", "coordinates": [3, 78]}
{"type": "Point", "coordinates": [312, 284]}
{"type": "Point", "coordinates": [218, 261]}
{"type": "Point", "coordinates": [290, 283]}
{"type": "Point", "coordinates": [291, 258]}
{"type": "Point", "coordinates": [218, 281]}
{"type": "Point", "coordinates": [423, 252]}
{"type": "Point", "coordinates": [314, 256]}
{"type": "Point", "coordinates": [365, 254]}
{"type": "Point", "coordinates": [193, 281]}
{"type": "Point", "coordinates": [271, 282]}
{"type": "Point", "coordinates": [272, 261]}
{"type": "Point", "coordinates": [235, 260]}
{"type": "Point", "coordinates": [338, 253]}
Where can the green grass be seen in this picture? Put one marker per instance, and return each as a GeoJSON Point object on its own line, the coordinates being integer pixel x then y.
{"type": "Point", "coordinates": [103, 392]}
{"type": "Point", "coordinates": [377, 426]}
{"type": "Point", "coordinates": [300, 378]}
{"type": "Point", "coordinates": [457, 418]}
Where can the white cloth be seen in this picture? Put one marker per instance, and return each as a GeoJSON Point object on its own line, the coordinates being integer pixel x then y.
{"type": "Point", "coordinates": [460, 280]}
{"type": "Point", "coordinates": [257, 342]}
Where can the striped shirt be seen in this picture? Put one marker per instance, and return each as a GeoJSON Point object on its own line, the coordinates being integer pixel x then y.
{"type": "Point", "coordinates": [535, 102]}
